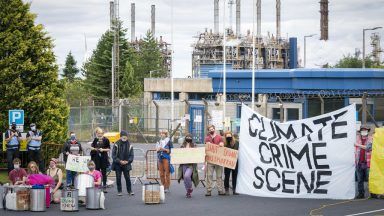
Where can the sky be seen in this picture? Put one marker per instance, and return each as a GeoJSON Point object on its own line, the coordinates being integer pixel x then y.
{"type": "Point", "coordinates": [72, 22]}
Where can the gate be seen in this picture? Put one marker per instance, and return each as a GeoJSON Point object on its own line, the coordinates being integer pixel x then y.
{"type": "Point", "coordinates": [196, 126]}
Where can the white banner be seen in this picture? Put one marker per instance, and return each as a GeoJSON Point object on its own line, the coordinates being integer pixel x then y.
{"type": "Point", "coordinates": [77, 163]}
{"type": "Point", "coordinates": [308, 158]}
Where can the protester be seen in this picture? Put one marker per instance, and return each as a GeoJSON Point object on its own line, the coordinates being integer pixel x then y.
{"type": "Point", "coordinates": [123, 155]}
{"type": "Point", "coordinates": [97, 176]}
{"type": "Point", "coordinates": [163, 149]}
{"type": "Point", "coordinates": [188, 172]}
{"type": "Point", "coordinates": [73, 147]}
{"type": "Point", "coordinates": [231, 143]}
{"type": "Point", "coordinates": [216, 139]}
{"type": "Point", "coordinates": [99, 154]}
{"type": "Point", "coordinates": [32, 168]}
{"type": "Point", "coordinates": [34, 137]}
{"type": "Point", "coordinates": [17, 175]}
{"type": "Point", "coordinates": [57, 175]}
{"type": "Point", "coordinates": [363, 158]}
{"type": "Point", "coordinates": [12, 138]}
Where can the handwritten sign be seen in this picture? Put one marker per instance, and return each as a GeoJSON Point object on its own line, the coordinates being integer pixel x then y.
{"type": "Point", "coordinates": [67, 203]}
{"type": "Point", "coordinates": [77, 163]}
{"type": "Point", "coordinates": [188, 155]}
{"type": "Point", "coordinates": [221, 156]}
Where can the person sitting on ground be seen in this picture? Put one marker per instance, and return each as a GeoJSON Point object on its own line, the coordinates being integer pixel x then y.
{"type": "Point", "coordinates": [97, 176]}
{"type": "Point", "coordinates": [57, 174]}
{"type": "Point", "coordinates": [188, 172]}
{"type": "Point", "coordinates": [17, 175]}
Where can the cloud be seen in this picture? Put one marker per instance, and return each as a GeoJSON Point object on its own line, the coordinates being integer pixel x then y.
{"type": "Point", "coordinates": [67, 22]}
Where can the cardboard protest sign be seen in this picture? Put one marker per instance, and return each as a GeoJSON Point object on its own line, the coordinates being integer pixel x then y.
{"type": "Point", "coordinates": [308, 158]}
{"type": "Point", "coordinates": [77, 163]}
{"type": "Point", "coordinates": [188, 155]}
{"type": "Point", "coordinates": [221, 156]}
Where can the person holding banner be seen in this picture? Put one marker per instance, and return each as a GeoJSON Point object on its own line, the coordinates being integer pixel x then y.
{"type": "Point", "coordinates": [163, 148]}
{"type": "Point", "coordinates": [12, 138]}
{"type": "Point", "coordinates": [216, 139]}
{"type": "Point", "coordinates": [73, 147]}
{"type": "Point", "coordinates": [99, 154]}
{"type": "Point", "coordinates": [231, 143]}
{"type": "Point", "coordinates": [363, 159]}
{"type": "Point", "coordinates": [188, 172]}
{"type": "Point", "coordinates": [122, 155]}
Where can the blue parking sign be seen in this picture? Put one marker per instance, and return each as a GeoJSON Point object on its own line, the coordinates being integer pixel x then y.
{"type": "Point", "coordinates": [16, 116]}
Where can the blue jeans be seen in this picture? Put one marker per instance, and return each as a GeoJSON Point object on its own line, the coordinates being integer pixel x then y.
{"type": "Point", "coordinates": [71, 177]}
{"type": "Point", "coordinates": [362, 173]}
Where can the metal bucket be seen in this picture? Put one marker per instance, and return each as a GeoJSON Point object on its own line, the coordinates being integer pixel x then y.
{"type": "Point", "coordinates": [2, 197]}
{"type": "Point", "coordinates": [37, 199]}
{"type": "Point", "coordinates": [93, 198]}
{"type": "Point", "coordinates": [82, 182]}
{"type": "Point", "coordinates": [69, 200]}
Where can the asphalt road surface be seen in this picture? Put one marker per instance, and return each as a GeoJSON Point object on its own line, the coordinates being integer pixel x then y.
{"type": "Point", "coordinates": [177, 204]}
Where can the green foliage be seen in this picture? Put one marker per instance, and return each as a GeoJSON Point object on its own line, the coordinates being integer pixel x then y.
{"type": "Point", "coordinates": [353, 62]}
{"type": "Point", "coordinates": [28, 73]}
{"type": "Point", "coordinates": [70, 71]}
{"type": "Point", "coordinates": [150, 59]}
{"type": "Point", "coordinates": [97, 69]}
{"type": "Point", "coordinates": [129, 84]}
{"type": "Point", "coordinates": [76, 92]}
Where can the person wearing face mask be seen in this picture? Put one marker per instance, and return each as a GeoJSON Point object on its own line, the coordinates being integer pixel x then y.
{"type": "Point", "coordinates": [215, 139]}
{"type": "Point", "coordinates": [188, 172]}
{"type": "Point", "coordinates": [12, 138]}
{"type": "Point", "coordinates": [163, 149]}
{"type": "Point", "coordinates": [231, 143]}
{"type": "Point", "coordinates": [97, 176]}
{"type": "Point", "coordinates": [72, 146]}
{"type": "Point", "coordinates": [363, 159]}
{"type": "Point", "coordinates": [34, 137]}
{"type": "Point", "coordinates": [18, 174]}
{"type": "Point", "coordinates": [122, 155]}
{"type": "Point", "coordinates": [57, 175]}
{"type": "Point", "coordinates": [99, 154]}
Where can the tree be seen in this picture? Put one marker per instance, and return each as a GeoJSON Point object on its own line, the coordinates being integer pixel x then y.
{"type": "Point", "coordinates": [28, 73]}
{"type": "Point", "coordinates": [130, 86]}
{"type": "Point", "coordinates": [70, 71]}
{"type": "Point", "coordinates": [353, 62]}
{"type": "Point", "coordinates": [97, 69]}
{"type": "Point", "coordinates": [150, 58]}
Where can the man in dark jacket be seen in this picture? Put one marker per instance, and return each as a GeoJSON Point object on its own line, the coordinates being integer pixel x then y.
{"type": "Point", "coordinates": [122, 155]}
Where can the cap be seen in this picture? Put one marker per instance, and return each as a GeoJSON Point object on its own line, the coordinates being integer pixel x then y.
{"type": "Point", "coordinates": [123, 133]}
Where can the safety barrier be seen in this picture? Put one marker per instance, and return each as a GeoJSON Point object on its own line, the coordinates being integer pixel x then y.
{"type": "Point", "coordinates": [152, 172]}
{"type": "Point", "coordinates": [138, 165]}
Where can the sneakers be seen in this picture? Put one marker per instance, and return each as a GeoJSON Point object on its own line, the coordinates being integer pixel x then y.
{"type": "Point", "coordinates": [189, 192]}
{"type": "Point", "coordinates": [131, 193]}
{"type": "Point", "coordinates": [166, 190]}
{"type": "Point", "coordinates": [221, 193]}
{"type": "Point", "coordinates": [208, 193]}
{"type": "Point", "coordinates": [119, 194]}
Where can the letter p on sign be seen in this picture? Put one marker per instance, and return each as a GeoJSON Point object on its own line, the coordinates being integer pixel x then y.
{"type": "Point", "coordinates": [16, 116]}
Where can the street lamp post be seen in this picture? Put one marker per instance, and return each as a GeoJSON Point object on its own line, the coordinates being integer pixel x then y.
{"type": "Point", "coordinates": [367, 29]}
{"type": "Point", "coordinates": [305, 48]}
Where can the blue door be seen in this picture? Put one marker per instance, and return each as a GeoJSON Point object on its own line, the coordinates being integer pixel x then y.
{"type": "Point", "coordinates": [196, 125]}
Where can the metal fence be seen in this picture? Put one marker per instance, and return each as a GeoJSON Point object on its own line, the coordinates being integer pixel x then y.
{"type": "Point", "coordinates": [152, 172]}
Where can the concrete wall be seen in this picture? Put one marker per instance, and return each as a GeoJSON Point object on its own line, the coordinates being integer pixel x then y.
{"type": "Point", "coordinates": [180, 85]}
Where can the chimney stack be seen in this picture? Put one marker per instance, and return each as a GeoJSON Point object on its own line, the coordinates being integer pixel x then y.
{"type": "Point", "coordinates": [111, 13]}
{"type": "Point", "coordinates": [216, 16]}
{"type": "Point", "coordinates": [278, 5]}
{"type": "Point", "coordinates": [133, 22]}
{"type": "Point", "coordinates": [153, 20]}
{"type": "Point", "coordinates": [238, 18]}
{"type": "Point", "coordinates": [258, 4]}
